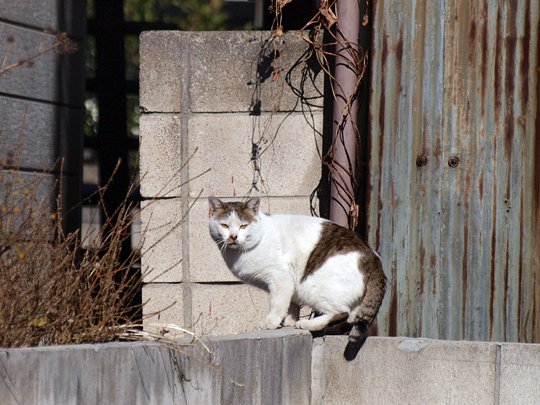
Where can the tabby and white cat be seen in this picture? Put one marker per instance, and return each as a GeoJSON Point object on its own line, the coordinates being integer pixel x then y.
{"type": "Point", "coordinates": [300, 260]}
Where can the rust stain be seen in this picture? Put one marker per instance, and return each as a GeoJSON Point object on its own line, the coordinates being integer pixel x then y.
{"type": "Point", "coordinates": [384, 52]}
{"type": "Point", "coordinates": [536, 332]}
{"type": "Point", "coordinates": [536, 186]}
{"type": "Point", "coordinates": [472, 40]}
{"type": "Point", "coordinates": [392, 325]}
{"type": "Point", "coordinates": [498, 68]}
{"type": "Point", "coordinates": [483, 67]}
{"type": "Point", "coordinates": [399, 50]}
{"type": "Point", "coordinates": [493, 248]}
{"type": "Point", "coordinates": [509, 88]}
{"type": "Point", "coordinates": [382, 110]}
{"type": "Point", "coordinates": [524, 62]}
{"type": "Point", "coordinates": [520, 277]}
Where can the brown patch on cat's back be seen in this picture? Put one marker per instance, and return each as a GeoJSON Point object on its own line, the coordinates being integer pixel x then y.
{"type": "Point", "coordinates": [334, 239]}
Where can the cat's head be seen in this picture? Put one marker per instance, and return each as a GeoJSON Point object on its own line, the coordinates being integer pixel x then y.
{"type": "Point", "coordinates": [234, 224]}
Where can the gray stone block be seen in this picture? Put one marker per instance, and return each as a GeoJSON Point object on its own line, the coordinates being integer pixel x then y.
{"type": "Point", "coordinates": [113, 373]}
{"type": "Point", "coordinates": [41, 134]}
{"type": "Point", "coordinates": [409, 371]}
{"type": "Point", "coordinates": [224, 72]}
{"type": "Point", "coordinates": [519, 374]}
{"type": "Point", "coordinates": [164, 56]}
{"type": "Point", "coordinates": [231, 71]}
{"type": "Point", "coordinates": [51, 77]}
{"type": "Point", "coordinates": [162, 224]}
{"type": "Point", "coordinates": [58, 15]}
{"type": "Point", "coordinates": [206, 263]}
{"type": "Point", "coordinates": [274, 367]}
{"type": "Point", "coordinates": [289, 162]}
{"type": "Point", "coordinates": [222, 309]}
{"type": "Point", "coordinates": [259, 368]}
{"type": "Point", "coordinates": [163, 304]}
{"type": "Point", "coordinates": [160, 155]}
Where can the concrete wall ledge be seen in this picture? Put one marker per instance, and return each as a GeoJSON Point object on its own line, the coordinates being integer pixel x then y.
{"type": "Point", "coordinates": [274, 367]}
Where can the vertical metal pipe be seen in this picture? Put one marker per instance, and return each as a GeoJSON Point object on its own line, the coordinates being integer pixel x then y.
{"type": "Point", "coordinates": [345, 145]}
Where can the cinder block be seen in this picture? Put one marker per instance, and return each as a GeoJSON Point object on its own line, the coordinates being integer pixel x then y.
{"type": "Point", "coordinates": [160, 155]}
{"type": "Point", "coordinates": [163, 55]}
{"type": "Point", "coordinates": [264, 367]}
{"type": "Point", "coordinates": [163, 304]}
{"type": "Point", "coordinates": [112, 373]}
{"type": "Point", "coordinates": [409, 371]}
{"type": "Point", "coordinates": [222, 309]}
{"type": "Point", "coordinates": [41, 134]}
{"type": "Point", "coordinates": [162, 226]}
{"type": "Point", "coordinates": [520, 366]}
{"type": "Point", "coordinates": [205, 261]}
{"type": "Point", "coordinates": [52, 77]}
{"type": "Point", "coordinates": [65, 16]}
{"type": "Point", "coordinates": [289, 162]}
{"type": "Point", "coordinates": [229, 71]}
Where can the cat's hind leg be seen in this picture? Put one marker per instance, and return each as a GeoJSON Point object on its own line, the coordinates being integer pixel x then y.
{"type": "Point", "coordinates": [319, 322]}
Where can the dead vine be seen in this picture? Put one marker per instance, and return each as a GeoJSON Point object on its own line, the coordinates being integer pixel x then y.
{"type": "Point", "coordinates": [326, 42]}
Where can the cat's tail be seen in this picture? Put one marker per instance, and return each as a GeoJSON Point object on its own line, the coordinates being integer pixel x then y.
{"type": "Point", "coordinates": [368, 308]}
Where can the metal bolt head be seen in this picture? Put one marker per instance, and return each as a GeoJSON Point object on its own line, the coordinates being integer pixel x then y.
{"type": "Point", "coordinates": [453, 161]}
{"type": "Point", "coordinates": [421, 160]}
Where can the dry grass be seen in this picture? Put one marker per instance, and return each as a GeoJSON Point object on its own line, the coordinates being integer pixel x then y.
{"type": "Point", "coordinates": [51, 290]}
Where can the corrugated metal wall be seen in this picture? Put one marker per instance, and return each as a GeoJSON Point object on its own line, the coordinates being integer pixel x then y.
{"type": "Point", "coordinates": [454, 205]}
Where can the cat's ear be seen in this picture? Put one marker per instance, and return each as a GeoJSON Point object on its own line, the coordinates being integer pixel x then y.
{"type": "Point", "coordinates": [253, 204]}
{"type": "Point", "coordinates": [213, 204]}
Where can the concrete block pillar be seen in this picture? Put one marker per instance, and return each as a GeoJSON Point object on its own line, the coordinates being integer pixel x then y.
{"type": "Point", "coordinates": [222, 114]}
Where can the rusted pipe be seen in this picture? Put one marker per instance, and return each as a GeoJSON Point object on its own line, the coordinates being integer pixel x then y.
{"type": "Point", "coordinates": [343, 208]}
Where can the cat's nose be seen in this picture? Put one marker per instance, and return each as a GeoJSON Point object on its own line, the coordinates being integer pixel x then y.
{"type": "Point", "coordinates": [233, 237]}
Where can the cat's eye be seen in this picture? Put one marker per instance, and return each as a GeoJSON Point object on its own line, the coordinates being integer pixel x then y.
{"type": "Point", "coordinates": [243, 226]}
{"type": "Point", "coordinates": [225, 226]}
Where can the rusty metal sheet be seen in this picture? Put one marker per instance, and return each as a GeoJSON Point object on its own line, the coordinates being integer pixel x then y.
{"type": "Point", "coordinates": [454, 167]}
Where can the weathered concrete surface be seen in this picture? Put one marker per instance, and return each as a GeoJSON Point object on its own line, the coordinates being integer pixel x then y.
{"type": "Point", "coordinates": [225, 141]}
{"type": "Point", "coordinates": [161, 225]}
{"type": "Point", "coordinates": [207, 309]}
{"type": "Point", "coordinates": [161, 155]}
{"type": "Point", "coordinates": [51, 77]}
{"type": "Point", "coordinates": [257, 368]}
{"type": "Point", "coordinates": [161, 73]}
{"type": "Point", "coordinates": [407, 371]}
{"type": "Point", "coordinates": [284, 366]}
{"type": "Point", "coordinates": [56, 15]}
{"type": "Point", "coordinates": [519, 373]}
{"type": "Point", "coordinates": [42, 134]}
{"type": "Point", "coordinates": [41, 101]}
{"type": "Point", "coordinates": [223, 72]}
{"type": "Point", "coordinates": [226, 308]}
